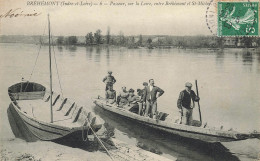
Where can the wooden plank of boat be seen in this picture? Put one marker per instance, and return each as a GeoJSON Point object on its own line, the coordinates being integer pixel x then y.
{"type": "Point", "coordinates": [199, 133]}
{"type": "Point", "coordinates": [32, 107]}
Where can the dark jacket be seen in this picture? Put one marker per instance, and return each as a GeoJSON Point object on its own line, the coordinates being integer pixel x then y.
{"type": "Point", "coordinates": [140, 92]}
{"type": "Point", "coordinates": [185, 99]}
{"type": "Point", "coordinates": [151, 95]}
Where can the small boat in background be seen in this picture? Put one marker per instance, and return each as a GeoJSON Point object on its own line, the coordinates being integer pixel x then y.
{"type": "Point", "coordinates": [39, 114]}
{"type": "Point", "coordinates": [199, 132]}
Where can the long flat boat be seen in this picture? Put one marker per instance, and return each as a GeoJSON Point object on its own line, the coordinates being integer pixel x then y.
{"type": "Point", "coordinates": [204, 134]}
{"type": "Point", "coordinates": [30, 107]}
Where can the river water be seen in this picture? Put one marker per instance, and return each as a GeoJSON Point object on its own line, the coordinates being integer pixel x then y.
{"type": "Point", "coordinates": [228, 82]}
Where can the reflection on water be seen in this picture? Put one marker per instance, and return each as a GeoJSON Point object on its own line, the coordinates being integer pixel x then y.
{"type": "Point", "coordinates": [97, 55]}
{"type": "Point", "coordinates": [89, 51]}
{"type": "Point", "coordinates": [107, 56]}
{"type": "Point", "coordinates": [72, 49]}
{"type": "Point", "coordinates": [236, 56]}
{"type": "Point", "coordinates": [247, 58]}
{"type": "Point", "coordinates": [220, 56]}
{"type": "Point", "coordinates": [60, 49]}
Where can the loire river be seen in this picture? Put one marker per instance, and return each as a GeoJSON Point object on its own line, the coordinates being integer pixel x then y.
{"type": "Point", "coordinates": [228, 82]}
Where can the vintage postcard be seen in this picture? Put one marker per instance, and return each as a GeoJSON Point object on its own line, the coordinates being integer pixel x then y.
{"type": "Point", "coordinates": [128, 80]}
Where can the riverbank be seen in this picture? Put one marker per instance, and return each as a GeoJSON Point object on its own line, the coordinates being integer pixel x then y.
{"type": "Point", "coordinates": [17, 149]}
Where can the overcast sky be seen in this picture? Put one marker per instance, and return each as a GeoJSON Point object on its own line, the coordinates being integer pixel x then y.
{"type": "Point", "coordinates": [131, 20]}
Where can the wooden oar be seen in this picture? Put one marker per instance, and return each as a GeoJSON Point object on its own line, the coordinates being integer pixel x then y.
{"type": "Point", "coordinates": [198, 101]}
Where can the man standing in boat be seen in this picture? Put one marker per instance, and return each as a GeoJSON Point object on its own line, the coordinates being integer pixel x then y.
{"type": "Point", "coordinates": [151, 93]}
{"type": "Point", "coordinates": [109, 80]}
{"type": "Point", "coordinates": [110, 95]}
{"type": "Point", "coordinates": [186, 104]}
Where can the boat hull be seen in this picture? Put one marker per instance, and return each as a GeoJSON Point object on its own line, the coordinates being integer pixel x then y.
{"type": "Point", "coordinates": [32, 130]}
{"type": "Point", "coordinates": [28, 113]}
{"type": "Point", "coordinates": [190, 132]}
{"type": "Point", "coordinates": [18, 127]}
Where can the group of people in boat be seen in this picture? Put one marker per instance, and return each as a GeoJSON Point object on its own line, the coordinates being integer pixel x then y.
{"type": "Point", "coordinates": [145, 102]}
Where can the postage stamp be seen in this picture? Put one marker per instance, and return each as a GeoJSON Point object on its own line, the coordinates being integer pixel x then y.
{"type": "Point", "coordinates": [238, 19]}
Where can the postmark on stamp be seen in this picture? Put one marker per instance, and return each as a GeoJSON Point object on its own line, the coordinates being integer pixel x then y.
{"type": "Point", "coordinates": [238, 19]}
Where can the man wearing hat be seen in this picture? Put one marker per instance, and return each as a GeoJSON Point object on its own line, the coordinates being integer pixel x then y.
{"type": "Point", "coordinates": [109, 80]}
{"type": "Point", "coordinates": [186, 104]}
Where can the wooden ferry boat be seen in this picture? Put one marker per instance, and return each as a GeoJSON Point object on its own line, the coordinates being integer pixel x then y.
{"type": "Point", "coordinates": [201, 133]}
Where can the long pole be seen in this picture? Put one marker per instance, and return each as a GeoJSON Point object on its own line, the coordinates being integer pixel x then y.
{"type": "Point", "coordinates": [198, 101]}
{"type": "Point", "coordinates": [50, 69]}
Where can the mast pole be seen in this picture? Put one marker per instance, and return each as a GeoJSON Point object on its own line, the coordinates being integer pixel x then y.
{"type": "Point", "coordinates": [50, 68]}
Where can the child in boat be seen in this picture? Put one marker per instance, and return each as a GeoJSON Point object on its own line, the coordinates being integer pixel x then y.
{"type": "Point", "coordinates": [110, 95]}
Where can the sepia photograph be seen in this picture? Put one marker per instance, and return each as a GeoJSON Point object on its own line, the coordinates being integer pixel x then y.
{"type": "Point", "coordinates": [129, 80]}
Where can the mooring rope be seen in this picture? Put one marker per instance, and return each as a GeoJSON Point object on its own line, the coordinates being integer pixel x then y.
{"type": "Point", "coordinates": [56, 67]}
{"type": "Point", "coordinates": [100, 141]}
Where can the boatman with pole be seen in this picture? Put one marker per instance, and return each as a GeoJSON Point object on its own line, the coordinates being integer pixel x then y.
{"type": "Point", "coordinates": [186, 104]}
{"type": "Point", "coordinates": [109, 80]}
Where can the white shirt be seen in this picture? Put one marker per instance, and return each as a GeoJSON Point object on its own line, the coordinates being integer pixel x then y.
{"type": "Point", "coordinates": [151, 88]}
{"type": "Point", "coordinates": [192, 105]}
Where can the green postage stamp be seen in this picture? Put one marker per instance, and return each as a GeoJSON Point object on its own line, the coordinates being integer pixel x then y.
{"type": "Point", "coordinates": [238, 19]}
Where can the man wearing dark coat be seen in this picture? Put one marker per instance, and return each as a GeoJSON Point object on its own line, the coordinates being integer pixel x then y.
{"type": "Point", "coordinates": [186, 104]}
{"type": "Point", "coordinates": [151, 93]}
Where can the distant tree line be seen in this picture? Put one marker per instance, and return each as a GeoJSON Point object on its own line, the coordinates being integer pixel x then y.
{"type": "Point", "coordinates": [160, 41]}
{"type": "Point", "coordinates": [97, 38]}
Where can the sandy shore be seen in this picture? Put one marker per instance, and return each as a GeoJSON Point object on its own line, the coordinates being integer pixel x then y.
{"type": "Point", "coordinates": [17, 149]}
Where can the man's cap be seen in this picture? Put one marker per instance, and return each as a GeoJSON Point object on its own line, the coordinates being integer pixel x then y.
{"type": "Point", "coordinates": [145, 84]}
{"type": "Point", "coordinates": [109, 72]}
{"type": "Point", "coordinates": [131, 90]}
{"type": "Point", "coordinates": [188, 84]}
